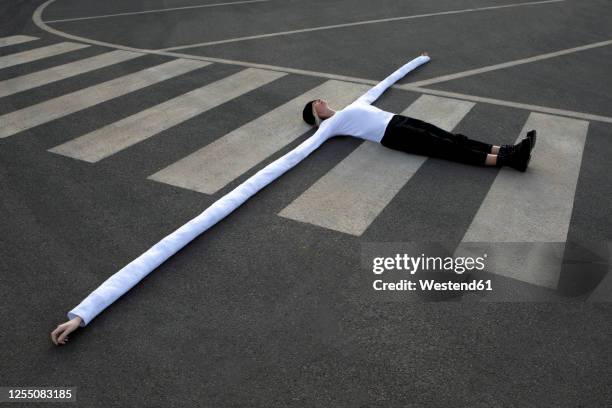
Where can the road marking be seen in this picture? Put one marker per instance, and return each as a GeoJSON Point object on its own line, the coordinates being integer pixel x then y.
{"type": "Point", "coordinates": [351, 195]}
{"type": "Point", "coordinates": [510, 104]}
{"type": "Point", "coordinates": [530, 212]}
{"type": "Point", "coordinates": [509, 64]}
{"type": "Point", "coordinates": [120, 135]}
{"type": "Point", "coordinates": [16, 39]}
{"type": "Point", "coordinates": [37, 18]}
{"type": "Point", "coordinates": [39, 53]}
{"type": "Point", "coordinates": [55, 108]}
{"type": "Point", "coordinates": [214, 166]}
{"type": "Point", "coordinates": [47, 76]}
{"type": "Point", "coordinates": [132, 13]}
{"type": "Point", "coordinates": [353, 24]}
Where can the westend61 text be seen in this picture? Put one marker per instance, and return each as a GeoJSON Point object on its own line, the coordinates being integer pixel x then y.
{"type": "Point", "coordinates": [429, 284]}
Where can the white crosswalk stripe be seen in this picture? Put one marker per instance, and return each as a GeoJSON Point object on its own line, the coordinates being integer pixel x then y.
{"type": "Point", "coordinates": [217, 164]}
{"type": "Point", "coordinates": [34, 80]}
{"type": "Point", "coordinates": [351, 195]}
{"type": "Point", "coordinates": [39, 53]}
{"type": "Point", "coordinates": [120, 135]}
{"type": "Point", "coordinates": [16, 39]}
{"type": "Point", "coordinates": [531, 211]}
{"type": "Point", "coordinates": [17, 121]}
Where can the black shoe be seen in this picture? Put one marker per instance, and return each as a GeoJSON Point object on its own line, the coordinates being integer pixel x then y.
{"type": "Point", "coordinates": [507, 149]}
{"type": "Point", "coordinates": [532, 135]}
{"type": "Point", "coordinates": [519, 158]}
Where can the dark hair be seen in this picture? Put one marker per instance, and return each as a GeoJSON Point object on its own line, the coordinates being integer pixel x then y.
{"type": "Point", "coordinates": [307, 114]}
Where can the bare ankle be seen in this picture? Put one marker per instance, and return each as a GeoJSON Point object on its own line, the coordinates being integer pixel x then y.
{"type": "Point", "coordinates": [491, 160]}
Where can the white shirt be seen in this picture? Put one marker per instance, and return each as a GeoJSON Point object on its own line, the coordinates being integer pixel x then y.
{"type": "Point", "coordinates": [359, 119]}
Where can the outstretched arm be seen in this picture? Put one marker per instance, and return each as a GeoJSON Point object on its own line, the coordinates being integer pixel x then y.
{"type": "Point", "coordinates": [376, 91]}
{"type": "Point", "coordinates": [123, 280]}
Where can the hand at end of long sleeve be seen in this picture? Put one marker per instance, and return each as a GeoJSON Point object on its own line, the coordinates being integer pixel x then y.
{"type": "Point", "coordinates": [60, 334]}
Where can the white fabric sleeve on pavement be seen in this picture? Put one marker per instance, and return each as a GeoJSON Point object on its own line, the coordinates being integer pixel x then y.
{"type": "Point", "coordinates": [127, 277]}
{"type": "Point", "coordinates": [376, 91]}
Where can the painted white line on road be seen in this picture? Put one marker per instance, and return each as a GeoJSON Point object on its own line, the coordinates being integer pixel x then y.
{"type": "Point", "coordinates": [518, 105]}
{"type": "Point", "coordinates": [509, 64]}
{"type": "Point", "coordinates": [39, 53]}
{"type": "Point", "coordinates": [16, 39]}
{"type": "Point", "coordinates": [47, 76]}
{"type": "Point", "coordinates": [36, 17]}
{"type": "Point", "coordinates": [351, 195]}
{"type": "Point", "coordinates": [531, 211]}
{"type": "Point", "coordinates": [55, 108]}
{"type": "Point", "coordinates": [353, 24]}
{"type": "Point", "coordinates": [214, 166]}
{"type": "Point", "coordinates": [405, 87]}
{"type": "Point", "coordinates": [120, 135]}
{"type": "Point", "coordinates": [132, 13]}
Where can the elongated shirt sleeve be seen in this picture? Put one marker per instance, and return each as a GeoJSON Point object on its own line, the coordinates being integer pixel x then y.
{"type": "Point", "coordinates": [123, 280]}
{"type": "Point", "coordinates": [377, 90]}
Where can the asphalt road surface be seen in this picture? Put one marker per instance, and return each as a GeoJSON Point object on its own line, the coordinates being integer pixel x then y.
{"type": "Point", "coordinates": [122, 120]}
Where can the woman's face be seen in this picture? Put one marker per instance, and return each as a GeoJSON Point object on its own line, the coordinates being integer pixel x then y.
{"type": "Point", "coordinates": [322, 108]}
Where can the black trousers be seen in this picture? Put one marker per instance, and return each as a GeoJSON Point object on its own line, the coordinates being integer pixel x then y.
{"type": "Point", "coordinates": [416, 136]}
